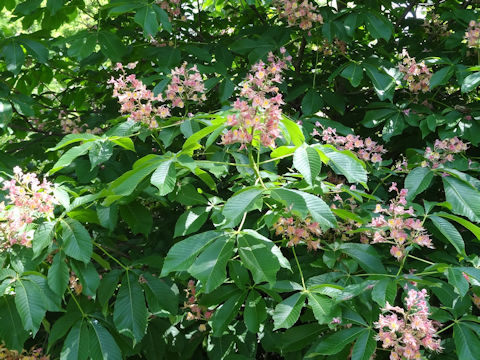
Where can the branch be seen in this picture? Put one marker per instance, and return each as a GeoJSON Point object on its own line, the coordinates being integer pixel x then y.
{"type": "Point", "coordinates": [405, 13]}
{"type": "Point", "coordinates": [301, 51]}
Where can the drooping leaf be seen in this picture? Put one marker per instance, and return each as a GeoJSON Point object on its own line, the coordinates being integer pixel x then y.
{"type": "Point", "coordinates": [226, 312]}
{"type": "Point", "coordinates": [364, 346]}
{"type": "Point", "coordinates": [102, 344]}
{"type": "Point", "coordinates": [255, 312]}
{"type": "Point", "coordinates": [76, 345]}
{"type": "Point", "coordinates": [334, 343]}
{"type": "Point", "coordinates": [30, 303]}
{"type": "Point", "coordinates": [159, 295]}
{"type": "Point", "coordinates": [465, 200]}
{"type": "Point", "coordinates": [130, 311]}
{"type": "Point", "coordinates": [165, 177]}
{"type": "Point", "coordinates": [467, 342]}
{"type": "Point", "coordinates": [12, 333]}
{"type": "Point", "coordinates": [417, 181]}
{"type": "Point", "coordinates": [191, 221]}
{"type": "Point", "coordinates": [58, 274]}
{"type": "Point", "coordinates": [366, 256]}
{"type": "Point", "coordinates": [471, 82]}
{"type": "Point", "coordinates": [240, 203]}
{"type": "Point", "coordinates": [353, 73]}
{"type": "Point", "coordinates": [322, 307]}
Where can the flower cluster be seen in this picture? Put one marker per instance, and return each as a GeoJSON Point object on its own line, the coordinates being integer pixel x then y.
{"type": "Point", "coordinates": [407, 330]}
{"type": "Point", "coordinates": [33, 354]}
{"type": "Point", "coordinates": [296, 230]}
{"type": "Point", "coordinates": [257, 110]}
{"type": "Point", "coordinates": [435, 27]}
{"type": "Point", "coordinates": [443, 151]}
{"type": "Point", "coordinates": [75, 126]}
{"type": "Point", "coordinates": [416, 74]}
{"type": "Point", "coordinates": [29, 199]}
{"type": "Point", "coordinates": [172, 7]}
{"type": "Point", "coordinates": [366, 149]}
{"type": "Point", "coordinates": [186, 84]}
{"type": "Point", "coordinates": [328, 48]}
{"type": "Point", "coordinates": [400, 228]}
{"type": "Point", "coordinates": [195, 311]}
{"type": "Point", "coordinates": [301, 13]}
{"type": "Point", "coordinates": [143, 106]}
{"type": "Point", "coordinates": [473, 34]}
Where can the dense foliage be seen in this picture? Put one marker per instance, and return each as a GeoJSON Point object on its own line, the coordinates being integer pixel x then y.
{"type": "Point", "coordinates": [239, 179]}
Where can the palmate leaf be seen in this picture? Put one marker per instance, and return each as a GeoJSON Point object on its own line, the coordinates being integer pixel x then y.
{"type": "Point", "coordinates": [364, 346]}
{"type": "Point", "coordinates": [466, 342]}
{"type": "Point", "coordinates": [102, 344]}
{"type": "Point", "coordinates": [255, 311]}
{"type": "Point", "coordinates": [450, 233]}
{"type": "Point", "coordinates": [226, 312]}
{"type": "Point", "coordinates": [76, 240]}
{"type": "Point", "coordinates": [76, 345]}
{"type": "Point", "coordinates": [243, 201]}
{"type": "Point", "coordinates": [130, 311]}
{"type": "Point", "coordinates": [334, 343]}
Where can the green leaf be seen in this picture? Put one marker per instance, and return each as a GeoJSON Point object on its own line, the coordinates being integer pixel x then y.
{"type": "Point", "coordinates": [364, 346]}
{"type": "Point", "coordinates": [466, 342]}
{"type": "Point", "coordinates": [449, 231]}
{"type": "Point", "coordinates": [102, 344]}
{"type": "Point", "coordinates": [383, 291]}
{"type": "Point", "coordinates": [58, 274]}
{"type": "Point", "coordinates": [130, 312]}
{"type": "Point", "coordinates": [257, 256]}
{"type": "Point", "coordinates": [12, 333]}
{"type": "Point", "coordinates": [36, 49]}
{"type": "Point", "coordinates": [307, 204]}
{"type": "Point", "coordinates": [62, 325]}
{"type": "Point", "coordinates": [76, 345]}
{"type": "Point", "coordinates": [417, 181]}
{"type": "Point", "coordinates": [465, 200]}
{"type": "Point", "coordinates": [378, 26]}
{"type": "Point", "coordinates": [311, 102]}
{"type": "Point", "coordinates": [146, 17]}
{"type": "Point", "coordinates": [6, 113]}
{"type": "Point", "coordinates": [73, 138]}
{"type": "Point", "coordinates": [165, 177]}
{"type": "Point", "coordinates": [164, 19]}
{"type": "Point", "coordinates": [456, 279]}
{"type": "Point", "coordinates": [345, 163]}
{"type": "Point", "coordinates": [287, 312]}
{"type": "Point", "coordinates": [83, 46]}
{"type": "Point", "coordinates": [241, 202]}
{"type": "Point", "coordinates": [383, 84]}
{"type": "Point", "coordinates": [159, 295]}
{"type": "Point", "coordinates": [332, 344]}
{"type": "Point", "coordinates": [30, 304]}
{"type": "Point", "coordinates": [226, 312]}
{"type": "Point", "coordinates": [322, 307]}
{"type": "Point", "coordinates": [365, 255]}
{"type": "Point", "coordinates": [191, 221]}
{"type": "Point", "coordinates": [353, 73]}
{"type": "Point", "coordinates": [292, 131]}
{"type": "Point", "coordinates": [43, 237]}
{"type": "Point", "coordinates": [471, 82]}
{"type": "Point", "coordinates": [126, 184]}
{"type": "Point", "coordinates": [76, 240]}
{"type": "Point", "coordinates": [210, 266]}
{"type": "Point", "coordinates": [183, 254]}
{"type": "Point", "coordinates": [14, 56]}
{"type": "Point", "coordinates": [307, 161]}
{"type": "Point", "coordinates": [441, 76]}
{"type": "Point", "coordinates": [54, 6]}
{"type": "Point", "coordinates": [255, 312]}
{"type": "Point", "coordinates": [100, 152]}
{"type": "Point", "coordinates": [88, 276]}
{"type": "Point", "coordinates": [70, 155]}
{"type": "Point", "coordinates": [111, 45]}
{"type": "Point", "coordinates": [226, 89]}
{"type": "Point", "coordinates": [467, 224]}
{"type": "Point", "coordinates": [138, 217]}
{"type": "Point", "coordinates": [107, 216]}
{"type": "Point", "coordinates": [394, 125]}
{"type": "Point", "coordinates": [124, 142]}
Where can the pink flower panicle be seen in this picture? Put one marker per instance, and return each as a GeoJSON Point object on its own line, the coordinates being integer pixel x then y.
{"type": "Point", "coordinates": [299, 13]}
{"type": "Point", "coordinates": [405, 331]}
{"type": "Point", "coordinates": [366, 149]}
{"type": "Point", "coordinates": [299, 231]}
{"type": "Point", "coordinates": [186, 85]}
{"type": "Point", "coordinates": [172, 7]}
{"type": "Point", "coordinates": [75, 126]}
{"type": "Point", "coordinates": [443, 151]}
{"type": "Point", "coordinates": [143, 106]}
{"type": "Point", "coordinates": [473, 34]}
{"type": "Point", "coordinates": [29, 199]}
{"type": "Point", "coordinates": [435, 27]}
{"type": "Point", "coordinates": [397, 226]}
{"type": "Point", "coordinates": [258, 109]}
{"type": "Point", "coordinates": [416, 74]}
{"type": "Point", "coordinates": [195, 311]}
